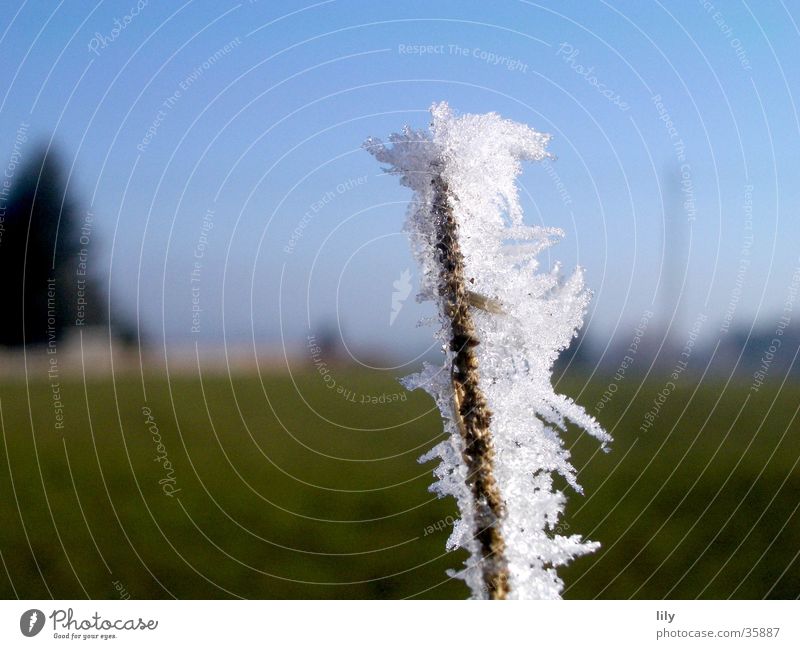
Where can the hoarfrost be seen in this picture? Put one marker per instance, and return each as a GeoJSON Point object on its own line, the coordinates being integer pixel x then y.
{"type": "Point", "coordinates": [536, 316]}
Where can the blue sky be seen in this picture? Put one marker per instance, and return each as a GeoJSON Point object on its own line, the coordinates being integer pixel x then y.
{"type": "Point", "coordinates": [218, 129]}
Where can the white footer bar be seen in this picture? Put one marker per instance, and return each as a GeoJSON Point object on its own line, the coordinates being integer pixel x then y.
{"type": "Point", "coordinates": [151, 624]}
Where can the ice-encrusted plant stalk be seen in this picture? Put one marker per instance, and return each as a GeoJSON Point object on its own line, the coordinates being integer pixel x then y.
{"type": "Point", "coordinates": [502, 327]}
{"type": "Point", "coordinates": [470, 409]}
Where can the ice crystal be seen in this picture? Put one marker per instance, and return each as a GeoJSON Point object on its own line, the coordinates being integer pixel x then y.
{"type": "Point", "coordinates": [537, 314]}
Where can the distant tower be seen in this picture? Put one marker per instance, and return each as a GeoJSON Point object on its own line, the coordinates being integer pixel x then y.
{"type": "Point", "coordinates": [674, 229]}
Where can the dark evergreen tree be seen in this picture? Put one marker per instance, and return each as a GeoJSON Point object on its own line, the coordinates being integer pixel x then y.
{"type": "Point", "coordinates": [39, 256]}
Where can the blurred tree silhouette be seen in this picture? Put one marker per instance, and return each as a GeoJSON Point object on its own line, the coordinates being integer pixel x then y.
{"type": "Point", "coordinates": [40, 257]}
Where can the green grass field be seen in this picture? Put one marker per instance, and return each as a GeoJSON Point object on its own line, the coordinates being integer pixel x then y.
{"type": "Point", "coordinates": [283, 488]}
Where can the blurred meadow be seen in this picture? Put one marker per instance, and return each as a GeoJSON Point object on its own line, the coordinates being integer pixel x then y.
{"type": "Point", "coordinates": [282, 488]}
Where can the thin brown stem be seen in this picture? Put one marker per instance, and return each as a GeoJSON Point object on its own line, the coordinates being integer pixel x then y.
{"type": "Point", "coordinates": [471, 409]}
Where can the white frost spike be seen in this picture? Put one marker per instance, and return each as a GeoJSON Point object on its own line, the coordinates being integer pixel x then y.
{"type": "Point", "coordinates": [479, 158]}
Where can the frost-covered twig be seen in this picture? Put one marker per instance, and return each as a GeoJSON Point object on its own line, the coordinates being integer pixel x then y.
{"type": "Point", "coordinates": [470, 410]}
{"type": "Point", "coordinates": [502, 326]}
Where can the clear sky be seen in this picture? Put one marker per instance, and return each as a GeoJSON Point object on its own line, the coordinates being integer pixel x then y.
{"type": "Point", "coordinates": [224, 139]}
